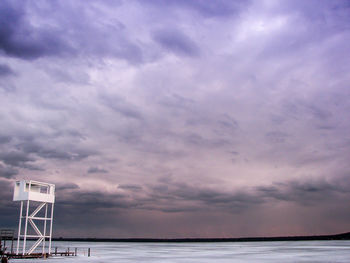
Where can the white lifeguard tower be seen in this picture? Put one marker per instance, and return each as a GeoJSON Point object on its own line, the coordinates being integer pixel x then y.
{"type": "Point", "coordinates": [41, 195]}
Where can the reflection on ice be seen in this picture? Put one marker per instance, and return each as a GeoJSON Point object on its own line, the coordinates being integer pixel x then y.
{"type": "Point", "coordinates": [288, 251]}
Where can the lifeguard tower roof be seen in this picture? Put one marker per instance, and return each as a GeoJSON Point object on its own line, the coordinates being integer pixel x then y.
{"type": "Point", "coordinates": [34, 191]}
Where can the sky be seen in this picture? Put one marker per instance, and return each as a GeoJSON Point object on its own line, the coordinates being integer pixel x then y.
{"type": "Point", "coordinates": [178, 118]}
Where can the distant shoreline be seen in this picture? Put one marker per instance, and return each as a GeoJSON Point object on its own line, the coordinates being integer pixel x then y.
{"type": "Point", "coordinates": [343, 236]}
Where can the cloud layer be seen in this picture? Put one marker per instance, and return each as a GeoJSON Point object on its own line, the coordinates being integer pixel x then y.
{"type": "Point", "coordinates": [178, 118]}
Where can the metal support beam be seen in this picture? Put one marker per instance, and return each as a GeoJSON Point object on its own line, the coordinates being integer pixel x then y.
{"type": "Point", "coordinates": [25, 229]}
{"type": "Point", "coordinates": [51, 222]}
{"type": "Point", "coordinates": [19, 228]}
{"type": "Point", "coordinates": [45, 229]}
{"type": "Point", "coordinates": [41, 235]}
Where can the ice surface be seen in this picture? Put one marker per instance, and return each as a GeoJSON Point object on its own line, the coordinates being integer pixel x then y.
{"type": "Point", "coordinates": [289, 251]}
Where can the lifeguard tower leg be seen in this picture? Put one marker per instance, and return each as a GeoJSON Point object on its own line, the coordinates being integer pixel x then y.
{"type": "Point", "coordinates": [19, 228]}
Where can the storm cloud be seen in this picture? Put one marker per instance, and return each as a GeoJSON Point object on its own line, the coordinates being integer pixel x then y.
{"type": "Point", "coordinates": [178, 118]}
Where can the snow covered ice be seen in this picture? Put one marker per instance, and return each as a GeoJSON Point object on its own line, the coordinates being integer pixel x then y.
{"type": "Point", "coordinates": [287, 251]}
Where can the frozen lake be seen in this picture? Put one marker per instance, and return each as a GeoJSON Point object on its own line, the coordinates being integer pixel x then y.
{"type": "Point", "coordinates": [287, 251]}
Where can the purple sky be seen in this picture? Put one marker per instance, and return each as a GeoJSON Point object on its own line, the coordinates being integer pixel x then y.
{"type": "Point", "coordinates": [178, 118]}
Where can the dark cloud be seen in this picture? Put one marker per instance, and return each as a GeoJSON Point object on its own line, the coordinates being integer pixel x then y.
{"type": "Point", "coordinates": [93, 170]}
{"type": "Point", "coordinates": [19, 38]}
{"type": "Point", "coordinates": [9, 210]}
{"type": "Point", "coordinates": [212, 9]}
{"type": "Point", "coordinates": [305, 192]}
{"type": "Point", "coordinates": [301, 109]}
{"type": "Point", "coordinates": [225, 125]}
{"type": "Point", "coordinates": [91, 201]}
{"type": "Point", "coordinates": [75, 155]}
{"type": "Point", "coordinates": [16, 158]}
{"type": "Point", "coordinates": [122, 107]}
{"type": "Point", "coordinates": [7, 172]}
{"type": "Point", "coordinates": [23, 152]}
{"type": "Point", "coordinates": [19, 159]}
{"type": "Point", "coordinates": [5, 70]}
{"type": "Point", "coordinates": [227, 122]}
{"type": "Point", "coordinates": [69, 36]}
{"type": "Point", "coordinates": [276, 137]}
{"type": "Point", "coordinates": [4, 139]}
{"type": "Point", "coordinates": [70, 152]}
{"type": "Point", "coordinates": [177, 42]}
{"type": "Point", "coordinates": [131, 187]}
{"type": "Point", "coordinates": [220, 8]}
{"type": "Point", "coordinates": [332, 15]}
{"type": "Point", "coordinates": [308, 192]}
{"type": "Point", "coordinates": [66, 186]}
{"type": "Point", "coordinates": [217, 199]}
{"type": "Point", "coordinates": [176, 101]}
{"type": "Point", "coordinates": [200, 141]}
{"type": "Point", "coordinates": [178, 198]}
{"type": "Point", "coordinates": [181, 197]}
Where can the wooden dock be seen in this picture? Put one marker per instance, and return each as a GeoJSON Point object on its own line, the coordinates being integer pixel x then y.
{"type": "Point", "coordinates": [39, 255]}
{"type": "Point", "coordinates": [33, 255]}
{"type": "Point", "coordinates": [56, 253]}
{"type": "Point", "coordinates": [8, 235]}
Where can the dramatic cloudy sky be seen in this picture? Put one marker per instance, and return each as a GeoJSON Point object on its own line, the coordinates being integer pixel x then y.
{"type": "Point", "coordinates": [178, 118]}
